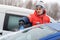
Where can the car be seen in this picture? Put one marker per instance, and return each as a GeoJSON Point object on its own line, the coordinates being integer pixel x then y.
{"type": "Point", "coordinates": [9, 17]}
{"type": "Point", "coordinates": [37, 32]}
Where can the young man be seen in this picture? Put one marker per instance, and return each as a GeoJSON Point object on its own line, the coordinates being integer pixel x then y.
{"type": "Point", "coordinates": [39, 16]}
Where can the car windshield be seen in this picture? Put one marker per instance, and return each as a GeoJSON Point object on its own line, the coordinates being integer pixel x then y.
{"type": "Point", "coordinates": [54, 26]}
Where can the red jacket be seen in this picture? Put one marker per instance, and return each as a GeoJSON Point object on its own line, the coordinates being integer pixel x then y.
{"type": "Point", "coordinates": [35, 19]}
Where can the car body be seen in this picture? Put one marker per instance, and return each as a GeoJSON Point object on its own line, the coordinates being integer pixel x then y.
{"type": "Point", "coordinates": [35, 33]}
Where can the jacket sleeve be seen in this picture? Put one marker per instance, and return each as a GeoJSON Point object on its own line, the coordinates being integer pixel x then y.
{"type": "Point", "coordinates": [30, 18]}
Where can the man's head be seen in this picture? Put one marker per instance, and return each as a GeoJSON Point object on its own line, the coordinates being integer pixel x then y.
{"type": "Point", "coordinates": [39, 8]}
{"type": "Point", "coordinates": [21, 22]}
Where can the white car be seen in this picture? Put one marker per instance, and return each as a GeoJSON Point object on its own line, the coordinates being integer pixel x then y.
{"type": "Point", "coordinates": [9, 16]}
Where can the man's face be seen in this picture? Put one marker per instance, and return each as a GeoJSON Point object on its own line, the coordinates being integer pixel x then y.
{"type": "Point", "coordinates": [39, 10]}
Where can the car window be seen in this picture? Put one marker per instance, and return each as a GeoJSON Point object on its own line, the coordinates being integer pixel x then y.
{"type": "Point", "coordinates": [11, 22]}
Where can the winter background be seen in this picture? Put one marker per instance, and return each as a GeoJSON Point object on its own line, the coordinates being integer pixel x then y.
{"type": "Point", "coordinates": [52, 6]}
